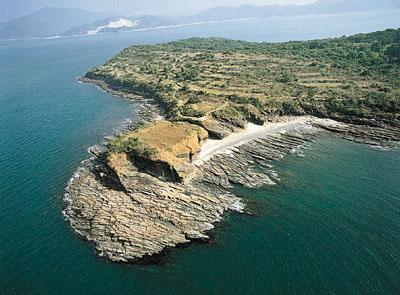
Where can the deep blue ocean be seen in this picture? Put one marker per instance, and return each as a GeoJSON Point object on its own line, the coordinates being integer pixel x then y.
{"type": "Point", "coordinates": [331, 226]}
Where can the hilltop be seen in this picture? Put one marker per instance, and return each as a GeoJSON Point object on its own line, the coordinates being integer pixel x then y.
{"type": "Point", "coordinates": [219, 84]}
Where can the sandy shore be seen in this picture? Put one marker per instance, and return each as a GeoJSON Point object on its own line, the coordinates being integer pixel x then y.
{"type": "Point", "coordinates": [212, 146]}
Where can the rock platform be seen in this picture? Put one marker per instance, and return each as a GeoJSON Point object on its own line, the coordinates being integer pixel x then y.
{"type": "Point", "coordinates": [132, 215]}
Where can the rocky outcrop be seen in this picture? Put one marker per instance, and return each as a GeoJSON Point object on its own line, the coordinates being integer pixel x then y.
{"type": "Point", "coordinates": [146, 217]}
{"type": "Point", "coordinates": [239, 165]}
{"type": "Point", "coordinates": [134, 201]}
{"type": "Point", "coordinates": [129, 215]}
{"type": "Point", "coordinates": [378, 135]}
{"type": "Point", "coordinates": [217, 129]}
{"type": "Point", "coordinates": [170, 148]}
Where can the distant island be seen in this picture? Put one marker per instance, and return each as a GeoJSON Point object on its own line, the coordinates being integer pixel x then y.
{"type": "Point", "coordinates": [50, 22]}
{"type": "Point", "coordinates": [215, 109]}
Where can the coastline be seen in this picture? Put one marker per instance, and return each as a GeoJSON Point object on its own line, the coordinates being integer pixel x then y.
{"type": "Point", "coordinates": [149, 110]}
{"type": "Point", "coordinates": [143, 204]}
{"type": "Point", "coordinates": [251, 132]}
{"type": "Point", "coordinates": [195, 23]}
{"type": "Point", "coordinates": [135, 30]}
{"type": "Point", "coordinates": [131, 215]}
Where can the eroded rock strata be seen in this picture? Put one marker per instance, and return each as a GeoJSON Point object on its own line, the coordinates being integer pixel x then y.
{"type": "Point", "coordinates": [373, 134]}
{"type": "Point", "coordinates": [144, 215]}
{"type": "Point", "coordinates": [161, 183]}
{"type": "Point", "coordinates": [129, 214]}
{"type": "Point", "coordinates": [239, 165]}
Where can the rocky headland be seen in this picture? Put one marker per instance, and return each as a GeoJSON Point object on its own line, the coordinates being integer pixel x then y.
{"type": "Point", "coordinates": [209, 120]}
{"type": "Point", "coordinates": [132, 208]}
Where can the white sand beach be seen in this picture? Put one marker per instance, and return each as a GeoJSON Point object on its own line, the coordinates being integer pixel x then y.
{"type": "Point", "coordinates": [212, 147]}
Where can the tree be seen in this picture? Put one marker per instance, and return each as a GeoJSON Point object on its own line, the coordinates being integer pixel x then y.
{"type": "Point", "coordinates": [393, 52]}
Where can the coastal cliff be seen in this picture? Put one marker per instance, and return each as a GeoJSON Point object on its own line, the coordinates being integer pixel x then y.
{"type": "Point", "coordinates": [211, 117]}
{"type": "Point", "coordinates": [130, 212]}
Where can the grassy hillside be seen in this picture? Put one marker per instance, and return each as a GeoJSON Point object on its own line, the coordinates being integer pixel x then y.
{"type": "Point", "coordinates": [230, 81]}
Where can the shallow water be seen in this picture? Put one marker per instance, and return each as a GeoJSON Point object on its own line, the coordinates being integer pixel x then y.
{"type": "Point", "coordinates": [331, 226]}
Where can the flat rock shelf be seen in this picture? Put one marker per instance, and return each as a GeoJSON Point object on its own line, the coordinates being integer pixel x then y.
{"type": "Point", "coordinates": [134, 215]}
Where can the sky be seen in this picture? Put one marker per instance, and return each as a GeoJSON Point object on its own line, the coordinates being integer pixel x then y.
{"type": "Point", "coordinates": [15, 8]}
{"type": "Point", "coordinates": [193, 5]}
{"type": "Point", "coordinates": [187, 6]}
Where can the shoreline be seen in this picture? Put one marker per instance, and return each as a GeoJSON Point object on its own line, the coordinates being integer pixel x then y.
{"type": "Point", "coordinates": [150, 110]}
{"type": "Point", "coordinates": [151, 214]}
{"type": "Point", "coordinates": [213, 147]}
{"type": "Point", "coordinates": [196, 23]}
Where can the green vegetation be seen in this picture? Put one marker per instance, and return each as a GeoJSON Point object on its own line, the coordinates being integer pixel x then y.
{"type": "Point", "coordinates": [131, 146]}
{"type": "Point", "coordinates": [235, 81]}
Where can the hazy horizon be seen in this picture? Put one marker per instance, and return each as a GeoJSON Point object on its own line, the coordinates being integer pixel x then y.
{"type": "Point", "coordinates": [16, 8]}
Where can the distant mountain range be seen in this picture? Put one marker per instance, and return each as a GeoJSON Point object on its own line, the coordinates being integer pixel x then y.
{"type": "Point", "coordinates": [121, 23]}
{"type": "Point", "coordinates": [50, 22]}
{"type": "Point", "coordinates": [47, 22]}
{"type": "Point", "coordinates": [319, 7]}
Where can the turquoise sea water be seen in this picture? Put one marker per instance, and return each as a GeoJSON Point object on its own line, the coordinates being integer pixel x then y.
{"type": "Point", "coordinates": [331, 226]}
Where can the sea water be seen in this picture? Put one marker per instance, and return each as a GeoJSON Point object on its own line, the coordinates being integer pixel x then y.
{"type": "Point", "coordinates": [332, 225]}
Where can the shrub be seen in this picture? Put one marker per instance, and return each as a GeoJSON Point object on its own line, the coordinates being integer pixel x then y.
{"type": "Point", "coordinates": [285, 77]}
{"type": "Point", "coordinates": [237, 99]}
{"type": "Point", "coordinates": [292, 107]}
{"type": "Point", "coordinates": [229, 114]}
{"type": "Point", "coordinates": [193, 99]}
{"type": "Point", "coordinates": [393, 52]}
{"type": "Point", "coordinates": [188, 111]}
{"type": "Point", "coordinates": [131, 146]}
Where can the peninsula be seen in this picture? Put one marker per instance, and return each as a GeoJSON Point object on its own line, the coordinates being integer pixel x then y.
{"type": "Point", "coordinates": [166, 180]}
